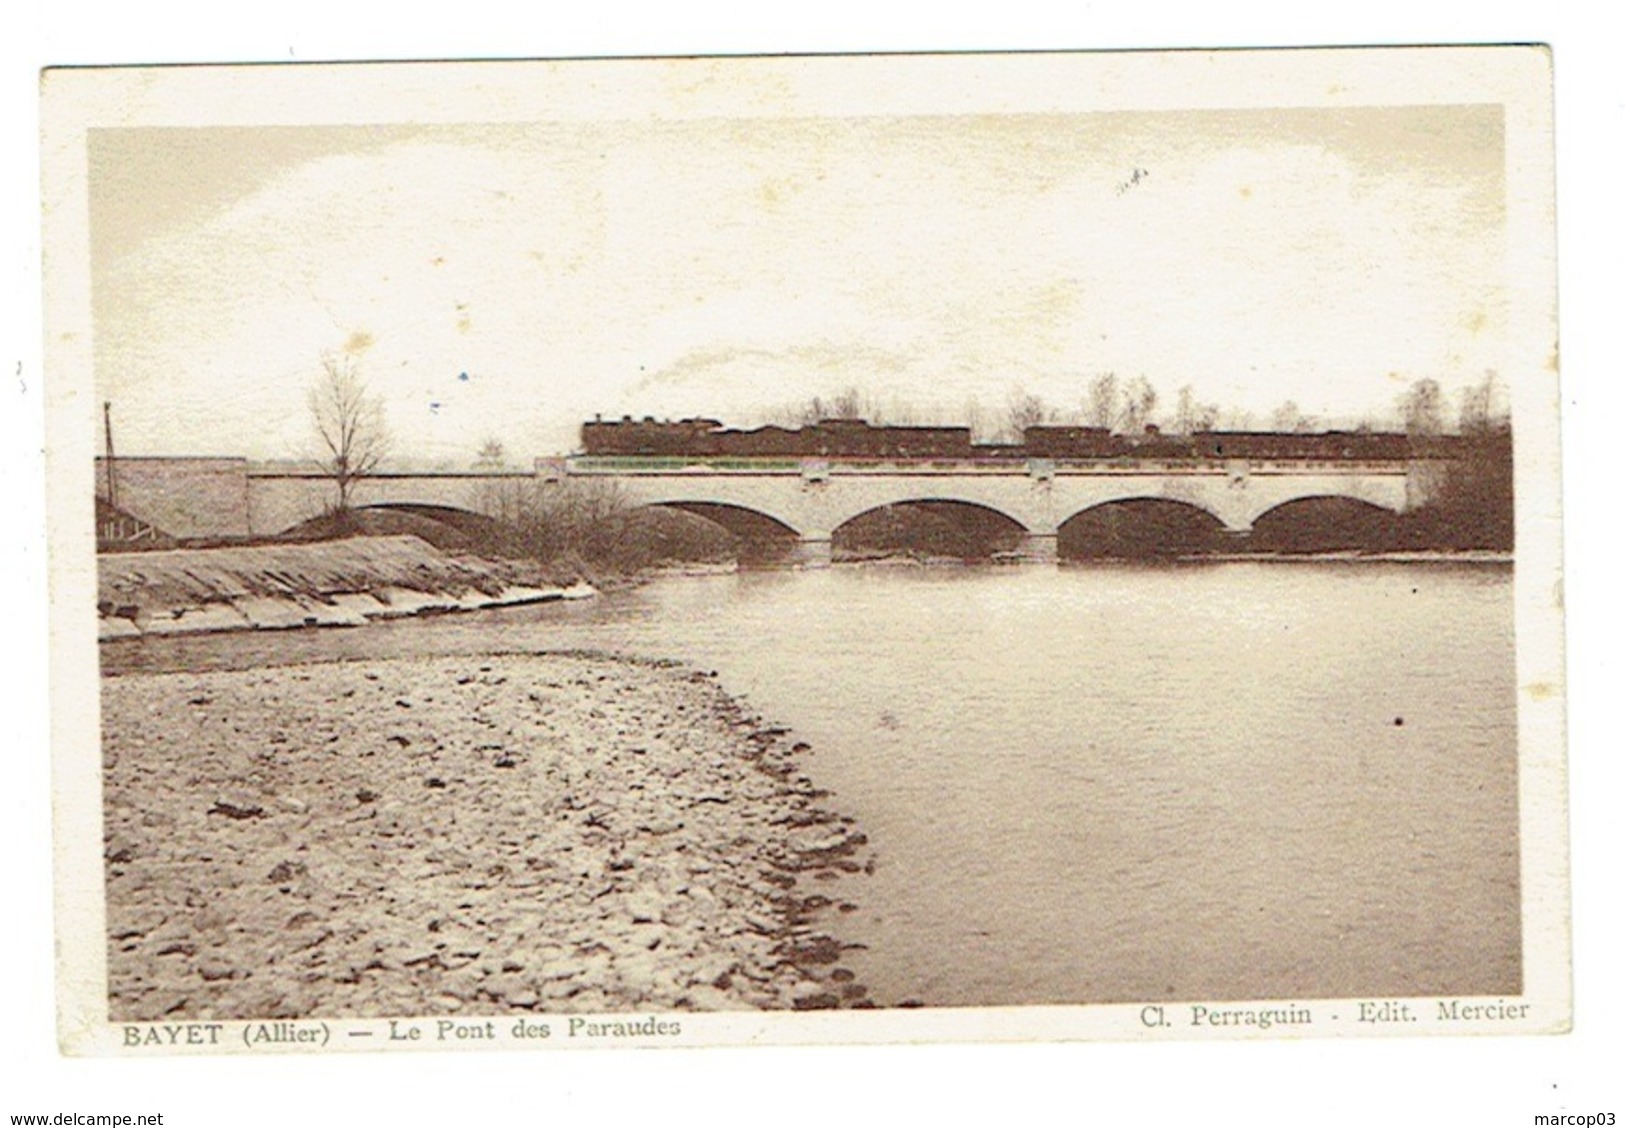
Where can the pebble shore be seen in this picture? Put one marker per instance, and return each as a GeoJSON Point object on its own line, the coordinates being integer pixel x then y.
{"type": "Point", "coordinates": [480, 835]}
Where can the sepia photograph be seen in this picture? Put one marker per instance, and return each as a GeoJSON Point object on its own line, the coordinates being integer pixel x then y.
{"type": "Point", "coordinates": [806, 549]}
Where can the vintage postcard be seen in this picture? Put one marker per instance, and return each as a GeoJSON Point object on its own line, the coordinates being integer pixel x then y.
{"type": "Point", "coordinates": [805, 549]}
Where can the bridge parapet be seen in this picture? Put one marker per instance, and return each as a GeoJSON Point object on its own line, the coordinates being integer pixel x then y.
{"type": "Point", "coordinates": [660, 464]}
{"type": "Point", "coordinates": [1041, 468]}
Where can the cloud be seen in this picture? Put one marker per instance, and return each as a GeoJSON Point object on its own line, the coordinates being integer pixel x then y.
{"type": "Point", "coordinates": [717, 268]}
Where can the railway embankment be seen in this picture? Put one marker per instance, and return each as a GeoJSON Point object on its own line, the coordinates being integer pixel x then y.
{"type": "Point", "coordinates": [277, 586]}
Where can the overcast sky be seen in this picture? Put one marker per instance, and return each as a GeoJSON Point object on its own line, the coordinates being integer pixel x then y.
{"type": "Point", "coordinates": [509, 281]}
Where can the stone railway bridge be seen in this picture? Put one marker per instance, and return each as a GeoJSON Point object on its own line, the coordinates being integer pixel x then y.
{"type": "Point", "coordinates": [813, 499]}
{"type": "Point", "coordinates": [807, 499]}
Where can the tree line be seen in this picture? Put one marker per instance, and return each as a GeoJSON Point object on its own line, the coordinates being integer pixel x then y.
{"type": "Point", "coordinates": [1128, 405]}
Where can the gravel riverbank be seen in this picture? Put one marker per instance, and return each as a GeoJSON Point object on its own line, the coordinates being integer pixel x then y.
{"type": "Point", "coordinates": [558, 832]}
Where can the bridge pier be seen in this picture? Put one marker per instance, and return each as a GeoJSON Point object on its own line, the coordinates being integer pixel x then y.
{"type": "Point", "coordinates": [1040, 548]}
{"type": "Point", "coordinates": [812, 552]}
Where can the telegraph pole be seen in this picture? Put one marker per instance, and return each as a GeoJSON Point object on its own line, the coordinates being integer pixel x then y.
{"type": "Point", "coordinates": [107, 429]}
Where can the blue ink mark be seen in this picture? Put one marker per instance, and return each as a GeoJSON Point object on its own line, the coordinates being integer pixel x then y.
{"type": "Point", "coordinates": [434, 407]}
{"type": "Point", "coordinates": [463, 376]}
{"type": "Point", "coordinates": [1138, 176]}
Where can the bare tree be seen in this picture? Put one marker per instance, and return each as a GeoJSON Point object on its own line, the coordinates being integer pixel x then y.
{"type": "Point", "coordinates": [1422, 408]}
{"type": "Point", "coordinates": [1139, 402]}
{"type": "Point", "coordinates": [972, 416]}
{"type": "Point", "coordinates": [1483, 406]}
{"type": "Point", "coordinates": [810, 412]}
{"type": "Point", "coordinates": [1190, 416]}
{"type": "Point", "coordinates": [848, 404]}
{"type": "Point", "coordinates": [1289, 417]}
{"type": "Point", "coordinates": [1025, 410]}
{"type": "Point", "coordinates": [349, 423]}
{"type": "Point", "coordinates": [1105, 401]}
{"type": "Point", "coordinates": [493, 455]}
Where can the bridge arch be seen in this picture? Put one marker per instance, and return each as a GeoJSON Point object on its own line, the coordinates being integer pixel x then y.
{"type": "Point", "coordinates": [1351, 500]}
{"type": "Point", "coordinates": [1141, 526]}
{"type": "Point", "coordinates": [734, 501]}
{"type": "Point", "coordinates": [944, 500]}
{"type": "Point", "coordinates": [743, 521]}
{"type": "Point", "coordinates": [750, 537]}
{"type": "Point", "coordinates": [938, 526]}
{"type": "Point", "coordinates": [465, 521]}
{"type": "Point", "coordinates": [1195, 504]}
{"type": "Point", "coordinates": [1268, 494]}
{"type": "Point", "coordinates": [1329, 522]}
{"type": "Point", "coordinates": [443, 526]}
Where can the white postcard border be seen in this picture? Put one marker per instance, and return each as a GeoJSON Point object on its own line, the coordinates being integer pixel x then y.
{"type": "Point", "coordinates": [1518, 78]}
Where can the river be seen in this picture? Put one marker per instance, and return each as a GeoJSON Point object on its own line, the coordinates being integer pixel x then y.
{"type": "Point", "coordinates": [1239, 780]}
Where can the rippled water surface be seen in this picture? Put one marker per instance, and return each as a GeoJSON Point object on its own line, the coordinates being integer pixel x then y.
{"type": "Point", "coordinates": [1222, 781]}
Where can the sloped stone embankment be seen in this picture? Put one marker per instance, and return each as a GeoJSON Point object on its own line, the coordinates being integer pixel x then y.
{"type": "Point", "coordinates": [277, 586]}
